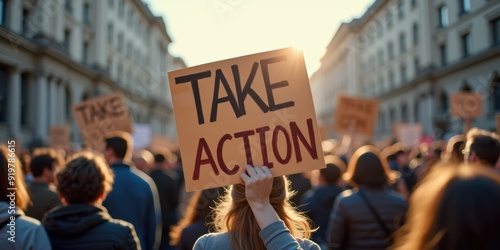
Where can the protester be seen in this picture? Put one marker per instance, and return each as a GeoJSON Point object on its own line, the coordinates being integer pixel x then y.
{"type": "Point", "coordinates": [365, 217]}
{"type": "Point", "coordinates": [317, 203]}
{"type": "Point", "coordinates": [482, 148]}
{"type": "Point", "coordinates": [17, 231]}
{"type": "Point", "coordinates": [82, 223]}
{"type": "Point", "coordinates": [143, 159]}
{"type": "Point", "coordinates": [258, 215]}
{"type": "Point", "coordinates": [134, 197]}
{"type": "Point", "coordinates": [454, 150]}
{"type": "Point", "coordinates": [197, 218]}
{"type": "Point", "coordinates": [300, 184]}
{"type": "Point", "coordinates": [456, 207]}
{"type": "Point", "coordinates": [166, 181]}
{"type": "Point", "coordinates": [42, 191]}
{"type": "Point", "coordinates": [402, 159]}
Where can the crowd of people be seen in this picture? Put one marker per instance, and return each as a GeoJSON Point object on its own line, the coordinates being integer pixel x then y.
{"type": "Point", "coordinates": [439, 195]}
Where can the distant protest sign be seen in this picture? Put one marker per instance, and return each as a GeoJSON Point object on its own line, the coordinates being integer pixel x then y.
{"type": "Point", "coordinates": [102, 115]}
{"type": "Point", "coordinates": [498, 123]}
{"type": "Point", "coordinates": [360, 112]}
{"type": "Point", "coordinates": [60, 137]}
{"type": "Point", "coordinates": [142, 135]}
{"type": "Point", "coordinates": [409, 134]}
{"type": "Point", "coordinates": [465, 104]}
{"type": "Point", "coordinates": [254, 110]}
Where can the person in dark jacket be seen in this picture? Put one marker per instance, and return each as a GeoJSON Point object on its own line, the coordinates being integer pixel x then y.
{"type": "Point", "coordinates": [82, 223]}
{"type": "Point", "coordinates": [42, 190]}
{"type": "Point", "coordinates": [366, 217]}
{"type": "Point", "coordinates": [317, 203]}
{"type": "Point", "coordinates": [166, 182]}
{"type": "Point", "coordinates": [134, 197]}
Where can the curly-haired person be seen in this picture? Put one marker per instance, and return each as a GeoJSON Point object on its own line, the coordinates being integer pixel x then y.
{"type": "Point", "coordinates": [82, 223]}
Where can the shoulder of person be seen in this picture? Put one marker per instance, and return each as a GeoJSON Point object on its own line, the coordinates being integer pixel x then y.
{"type": "Point", "coordinates": [213, 241]}
{"type": "Point", "coordinates": [308, 244]}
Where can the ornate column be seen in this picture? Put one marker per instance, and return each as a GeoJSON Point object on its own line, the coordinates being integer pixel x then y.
{"type": "Point", "coordinates": [14, 103]}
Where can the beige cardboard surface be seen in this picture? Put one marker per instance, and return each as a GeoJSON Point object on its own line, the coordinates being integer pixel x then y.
{"type": "Point", "coordinates": [255, 109]}
{"type": "Point", "coordinates": [409, 134]}
{"type": "Point", "coordinates": [465, 103]}
{"type": "Point", "coordinates": [102, 115]}
{"type": "Point", "coordinates": [498, 123]}
{"type": "Point", "coordinates": [362, 112]}
{"type": "Point", "coordinates": [59, 137]}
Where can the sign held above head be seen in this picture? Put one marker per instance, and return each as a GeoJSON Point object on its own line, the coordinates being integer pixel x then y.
{"type": "Point", "coordinates": [254, 110]}
{"type": "Point", "coordinates": [362, 113]}
{"type": "Point", "coordinates": [465, 104]}
{"type": "Point", "coordinates": [102, 115]}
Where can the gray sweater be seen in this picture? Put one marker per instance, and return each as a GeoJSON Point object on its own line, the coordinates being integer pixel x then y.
{"type": "Point", "coordinates": [275, 236]}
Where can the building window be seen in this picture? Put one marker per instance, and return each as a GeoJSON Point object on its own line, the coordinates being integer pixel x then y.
{"type": "Point", "coordinates": [24, 99]}
{"type": "Point", "coordinates": [388, 18]}
{"type": "Point", "coordinates": [68, 5]}
{"type": "Point", "coordinates": [3, 94]}
{"type": "Point", "coordinates": [110, 34]}
{"type": "Point", "coordinates": [25, 22]}
{"type": "Point", "coordinates": [86, 13]}
{"type": "Point", "coordinates": [392, 80]}
{"type": "Point", "coordinates": [464, 6]}
{"type": "Point", "coordinates": [416, 63]}
{"type": "Point", "coordinates": [413, 3]}
{"type": "Point", "coordinates": [119, 73]}
{"type": "Point", "coordinates": [120, 42]}
{"type": "Point", "coordinates": [415, 34]}
{"type": "Point", "coordinates": [442, 55]}
{"type": "Point", "coordinates": [129, 50]}
{"type": "Point", "coordinates": [67, 103]}
{"type": "Point", "coordinates": [130, 16]}
{"type": "Point", "coordinates": [403, 74]}
{"type": "Point", "coordinates": [401, 9]}
{"type": "Point", "coordinates": [443, 101]}
{"type": "Point", "coordinates": [381, 84]}
{"type": "Point", "coordinates": [3, 12]}
{"type": "Point", "coordinates": [67, 37]}
{"type": "Point", "coordinates": [111, 3]}
{"type": "Point", "coordinates": [495, 31]}
{"type": "Point", "coordinates": [380, 57]}
{"type": "Point", "coordinates": [443, 16]}
{"type": "Point", "coordinates": [109, 64]}
{"type": "Point", "coordinates": [402, 42]}
{"type": "Point", "coordinates": [466, 45]}
{"type": "Point", "coordinates": [121, 9]}
{"type": "Point", "coordinates": [390, 50]}
{"type": "Point", "coordinates": [404, 113]}
{"type": "Point", "coordinates": [380, 29]}
{"type": "Point", "coordinates": [85, 53]}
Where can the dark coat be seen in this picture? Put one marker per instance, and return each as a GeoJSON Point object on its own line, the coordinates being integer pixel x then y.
{"type": "Point", "coordinates": [317, 204]}
{"type": "Point", "coordinates": [83, 226]}
{"type": "Point", "coordinates": [43, 198]}
{"type": "Point", "coordinates": [190, 234]}
{"type": "Point", "coordinates": [352, 217]}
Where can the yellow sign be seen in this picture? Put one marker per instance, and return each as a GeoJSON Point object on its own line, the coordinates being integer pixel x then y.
{"type": "Point", "coordinates": [255, 110]}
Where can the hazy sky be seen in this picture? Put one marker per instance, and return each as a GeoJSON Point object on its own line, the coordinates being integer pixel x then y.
{"type": "Point", "coordinates": [210, 30]}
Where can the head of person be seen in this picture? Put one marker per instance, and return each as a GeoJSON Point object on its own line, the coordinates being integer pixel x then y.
{"type": "Point", "coordinates": [401, 154]}
{"type": "Point", "coordinates": [143, 159]}
{"type": "Point", "coordinates": [10, 167]}
{"type": "Point", "coordinates": [454, 149]}
{"type": "Point", "coordinates": [86, 179]}
{"type": "Point", "coordinates": [234, 215]}
{"type": "Point", "coordinates": [367, 168]}
{"type": "Point", "coordinates": [44, 164]}
{"type": "Point", "coordinates": [199, 208]}
{"type": "Point", "coordinates": [164, 158]}
{"type": "Point", "coordinates": [456, 207]}
{"type": "Point", "coordinates": [118, 146]}
{"type": "Point", "coordinates": [482, 147]}
{"type": "Point", "coordinates": [332, 173]}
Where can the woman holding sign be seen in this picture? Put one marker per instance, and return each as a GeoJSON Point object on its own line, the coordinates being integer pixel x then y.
{"type": "Point", "coordinates": [258, 215]}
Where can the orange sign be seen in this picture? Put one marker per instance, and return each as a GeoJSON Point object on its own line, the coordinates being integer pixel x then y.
{"type": "Point", "coordinates": [466, 103]}
{"type": "Point", "coordinates": [360, 112]}
{"type": "Point", "coordinates": [102, 115]}
{"type": "Point", "coordinates": [59, 137]}
{"type": "Point", "coordinates": [255, 110]}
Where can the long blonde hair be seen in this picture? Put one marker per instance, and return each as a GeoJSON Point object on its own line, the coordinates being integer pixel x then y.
{"type": "Point", "coordinates": [234, 215]}
{"type": "Point", "coordinates": [10, 166]}
{"type": "Point", "coordinates": [445, 198]}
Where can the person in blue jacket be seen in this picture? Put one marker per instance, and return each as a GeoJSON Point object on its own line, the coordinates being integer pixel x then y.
{"type": "Point", "coordinates": [134, 197]}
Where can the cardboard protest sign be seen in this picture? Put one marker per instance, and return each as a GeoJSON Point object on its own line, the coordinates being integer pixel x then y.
{"type": "Point", "coordinates": [361, 112]}
{"type": "Point", "coordinates": [102, 115]}
{"type": "Point", "coordinates": [409, 134]}
{"type": "Point", "coordinates": [59, 137]}
{"type": "Point", "coordinates": [254, 110]}
{"type": "Point", "coordinates": [142, 136]}
{"type": "Point", "coordinates": [466, 103]}
{"type": "Point", "coordinates": [498, 123]}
